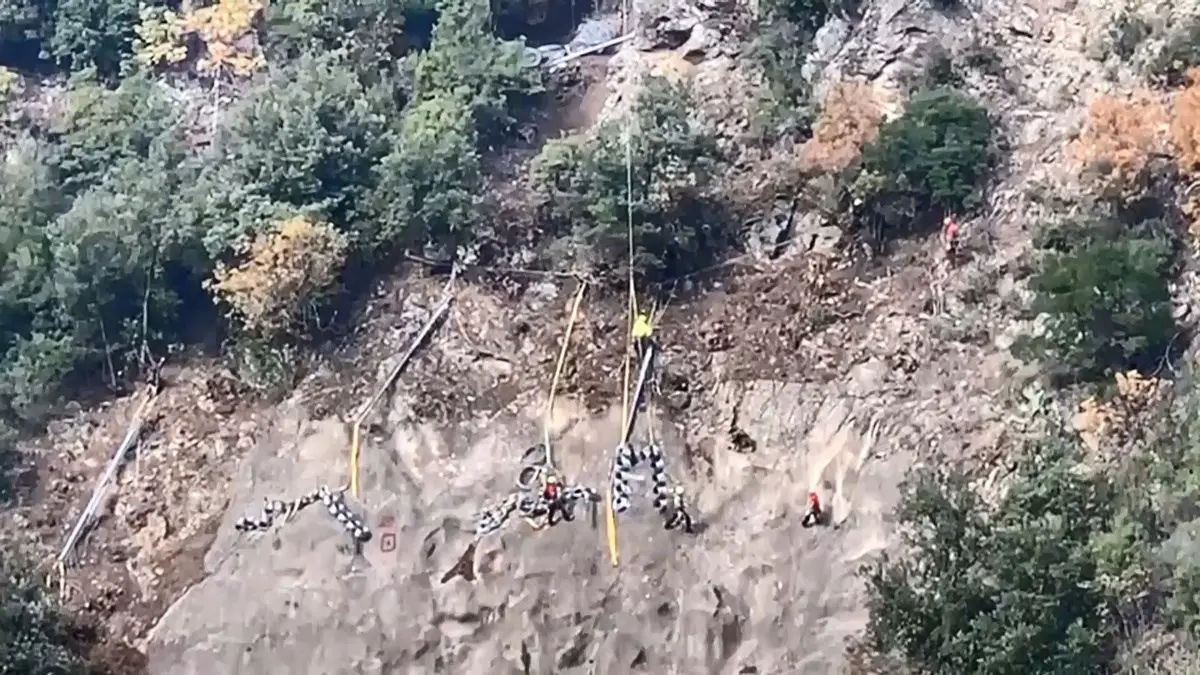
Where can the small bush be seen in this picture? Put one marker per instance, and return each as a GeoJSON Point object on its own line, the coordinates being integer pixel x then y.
{"type": "Point", "coordinates": [783, 41]}
{"type": "Point", "coordinates": [1106, 296]}
{"type": "Point", "coordinates": [283, 273]}
{"type": "Point", "coordinates": [931, 160]}
{"type": "Point", "coordinates": [677, 220]}
{"type": "Point", "coordinates": [1126, 33]}
{"type": "Point", "coordinates": [1180, 54]}
{"type": "Point", "coordinates": [32, 370]}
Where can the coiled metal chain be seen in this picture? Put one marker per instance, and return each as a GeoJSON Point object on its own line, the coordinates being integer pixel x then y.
{"type": "Point", "coordinates": [333, 500]}
{"type": "Point", "coordinates": [667, 499]}
{"type": "Point", "coordinates": [533, 505]}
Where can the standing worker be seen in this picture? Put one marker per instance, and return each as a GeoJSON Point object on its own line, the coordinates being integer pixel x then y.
{"type": "Point", "coordinates": [950, 232]}
{"type": "Point", "coordinates": [643, 332]}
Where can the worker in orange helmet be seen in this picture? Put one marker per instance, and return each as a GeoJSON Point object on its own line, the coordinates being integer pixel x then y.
{"type": "Point", "coordinates": [813, 515]}
{"type": "Point", "coordinates": [950, 236]}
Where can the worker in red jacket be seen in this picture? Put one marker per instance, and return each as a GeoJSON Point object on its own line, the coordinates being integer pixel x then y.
{"type": "Point", "coordinates": [950, 230]}
{"type": "Point", "coordinates": [813, 515]}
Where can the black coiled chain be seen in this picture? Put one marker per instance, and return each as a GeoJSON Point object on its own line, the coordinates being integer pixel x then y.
{"type": "Point", "coordinates": [668, 499]}
{"type": "Point", "coordinates": [533, 500]}
{"type": "Point", "coordinates": [333, 500]}
{"type": "Point", "coordinates": [534, 506]}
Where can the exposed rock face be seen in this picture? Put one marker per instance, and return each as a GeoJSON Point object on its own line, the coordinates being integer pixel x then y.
{"type": "Point", "coordinates": [753, 589]}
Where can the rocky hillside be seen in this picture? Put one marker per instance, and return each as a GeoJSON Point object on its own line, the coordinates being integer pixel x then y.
{"type": "Point", "coordinates": [817, 335]}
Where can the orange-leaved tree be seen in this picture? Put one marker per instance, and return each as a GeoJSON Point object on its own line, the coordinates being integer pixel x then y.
{"type": "Point", "coordinates": [1123, 134]}
{"type": "Point", "coordinates": [1185, 134]}
{"type": "Point", "coordinates": [849, 120]}
{"type": "Point", "coordinates": [227, 29]}
{"type": "Point", "coordinates": [282, 274]}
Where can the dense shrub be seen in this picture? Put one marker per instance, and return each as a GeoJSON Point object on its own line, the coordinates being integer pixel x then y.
{"type": "Point", "coordinates": [307, 138]}
{"type": "Point", "coordinates": [372, 31]}
{"type": "Point", "coordinates": [281, 274]}
{"type": "Point", "coordinates": [96, 34]}
{"type": "Point", "coordinates": [678, 226]}
{"type": "Point", "coordinates": [430, 186]}
{"type": "Point", "coordinates": [35, 636]}
{"type": "Point", "coordinates": [930, 161]}
{"type": "Point", "coordinates": [1063, 574]}
{"type": "Point", "coordinates": [31, 331]}
{"type": "Point", "coordinates": [849, 120]}
{"type": "Point", "coordinates": [1118, 146]}
{"type": "Point", "coordinates": [1180, 53]}
{"type": "Point", "coordinates": [104, 127]}
{"type": "Point", "coordinates": [466, 61]}
{"type": "Point", "coordinates": [1005, 590]}
{"type": "Point", "coordinates": [1105, 294]}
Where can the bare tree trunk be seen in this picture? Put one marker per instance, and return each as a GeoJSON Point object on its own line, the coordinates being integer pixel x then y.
{"type": "Point", "coordinates": [216, 103]}
{"type": "Point", "coordinates": [112, 373]}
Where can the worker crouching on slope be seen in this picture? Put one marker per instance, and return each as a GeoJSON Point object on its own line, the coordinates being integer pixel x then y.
{"type": "Point", "coordinates": [554, 501]}
{"type": "Point", "coordinates": [813, 515]}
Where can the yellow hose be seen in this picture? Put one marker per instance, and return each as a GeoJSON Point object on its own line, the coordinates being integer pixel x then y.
{"type": "Point", "coordinates": [610, 517]}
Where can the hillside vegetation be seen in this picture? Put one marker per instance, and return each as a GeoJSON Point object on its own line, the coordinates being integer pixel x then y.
{"type": "Point", "coordinates": [239, 173]}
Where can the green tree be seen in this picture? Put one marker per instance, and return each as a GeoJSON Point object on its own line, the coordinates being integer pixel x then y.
{"type": "Point", "coordinates": [95, 34]}
{"type": "Point", "coordinates": [100, 274]}
{"type": "Point", "coordinates": [1005, 591]}
{"type": "Point", "coordinates": [1107, 301]}
{"type": "Point", "coordinates": [931, 160]}
{"type": "Point", "coordinates": [307, 138]}
{"type": "Point", "coordinates": [125, 253]}
{"type": "Point", "coordinates": [29, 323]}
{"type": "Point", "coordinates": [467, 61]}
{"type": "Point", "coordinates": [372, 32]}
{"type": "Point", "coordinates": [430, 186]}
{"type": "Point", "coordinates": [103, 127]}
{"type": "Point", "coordinates": [677, 218]}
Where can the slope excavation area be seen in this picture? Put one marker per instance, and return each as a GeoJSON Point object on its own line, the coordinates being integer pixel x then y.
{"type": "Point", "coordinates": [751, 589]}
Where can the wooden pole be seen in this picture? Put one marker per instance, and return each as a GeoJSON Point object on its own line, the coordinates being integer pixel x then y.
{"type": "Point", "coordinates": [422, 336]}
